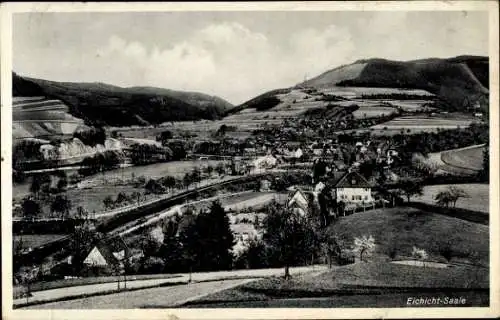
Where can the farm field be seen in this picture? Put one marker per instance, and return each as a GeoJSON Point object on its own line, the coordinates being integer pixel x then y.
{"type": "Point", "coordinates": [478, 199]}
{"type": "Point", "coordinates": [353, 92]}
{"type": "Point", "coordinates": [373, 112]}
{"type": "Point", "coordinates": [41, 117]}
{"type": "Point", "coordinates": [419, 123]}
{"type": "Point", "coordinates": [397, 230]}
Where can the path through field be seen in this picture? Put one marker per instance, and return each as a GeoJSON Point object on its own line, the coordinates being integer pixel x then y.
{"type": "Point", "coordinates": [172, 295]}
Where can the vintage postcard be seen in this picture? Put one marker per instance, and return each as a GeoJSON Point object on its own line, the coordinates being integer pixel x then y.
{"type": "Point", "coordinates": [282, 160]}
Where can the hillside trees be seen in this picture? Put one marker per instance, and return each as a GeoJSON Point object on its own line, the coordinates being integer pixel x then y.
{"type": "Point", "coordinates": [91, 136]}
{"type": "Point", "coordinates": [99, 162]}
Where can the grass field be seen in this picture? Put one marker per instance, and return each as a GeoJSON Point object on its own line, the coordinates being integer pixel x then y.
{"type": "Point", "coordinates": [469, 158]}
{"type": "Point", "coordinates": [91, 199]}
{"type": "Point", "coordinates": [36, 240]}
{"type": "Point", "coordinates": [373, 112]}
{"type": "Point", "coordinates": [464, 161]}
{"type": "Point", "coordinates": [478, 199]}
{"type": "Point", "coordinates": [176, 169]}
{"type": "Point", "coordinates": [397, 230]}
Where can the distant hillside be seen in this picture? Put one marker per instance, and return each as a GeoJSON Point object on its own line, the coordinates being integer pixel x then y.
{"type": "Point", "coordinates": [257, 102]}
{"type": "Point", "coordinates": [99, 103]}
{"type": "Point", "coordinates": [459, 80]}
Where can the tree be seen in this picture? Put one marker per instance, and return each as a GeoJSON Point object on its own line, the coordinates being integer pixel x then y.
{"type": "Point", "coordinates": [209, 169]}
{"type": "Point", "coordinates": [364, 246]}
{"type": "Point", "coordinates": [220, 169]}
{"type": "Point", "coordinates": [451, 195]}
{"type": "Point", "coordinates": [61, 205]}
{"type": "Point", "coordinates": [410, 188]}
{"type": "Point", "coordinates": [31, 208]}
{"type": "Point", "coordinates": [287, 232]}
{"type": "Point", "coordinates": [218, 240]}
{"type": "Point", "coordinates": [82, 237]}
{"type": "Point", "coordinates": [205, 248]}
{"type": "Point", "coordinates": [62, 183]}
{"type": "Point", "coordinates": [169, 182]}
{"type": "Point", "coordinates": [148, 244]}
{"type": "Point", "coordinates": [443, 198]}
{"type": "Point", "coordinates": [165, 136]}
{"type": "Point", "coordinates": [419, 254]}
{"type": "Point", "coordinates": [187, 180]}
{"type": "Point", "coordinates": [81, 213]}
{"type": "Point", "coordinates": [484, 173]}
{"type": "Point", "coordinates": [107, 202]}
{"type": "Point", "coordinates": [40, 182]}
{"type": "Point", "coordinates": [136, 196]}
{"type": "Point", "coordinates": [121, 197]}
{"type": "Point", "coordinates": [455, 194]}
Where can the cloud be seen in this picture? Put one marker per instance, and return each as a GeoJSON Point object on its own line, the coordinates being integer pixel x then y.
{"type": "Point", "coordinates": [227, 59]}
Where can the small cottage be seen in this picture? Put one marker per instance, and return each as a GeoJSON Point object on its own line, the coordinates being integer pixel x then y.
{"type": "Point", "coordinates": [106, 257]}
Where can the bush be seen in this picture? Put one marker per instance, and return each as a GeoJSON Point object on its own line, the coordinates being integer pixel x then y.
{"type": "Point", "coordinates": [152, 265]}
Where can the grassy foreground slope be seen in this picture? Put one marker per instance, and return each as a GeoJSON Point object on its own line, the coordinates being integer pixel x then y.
{"type": "Point", "coordinates": [397, 230]}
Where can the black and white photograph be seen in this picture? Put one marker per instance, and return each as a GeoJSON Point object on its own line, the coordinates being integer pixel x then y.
{"type": "Point", "coordinates": [285, 158]}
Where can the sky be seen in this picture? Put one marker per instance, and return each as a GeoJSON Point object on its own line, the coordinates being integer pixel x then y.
{"type": "Point", "coordinates": [234, 55]}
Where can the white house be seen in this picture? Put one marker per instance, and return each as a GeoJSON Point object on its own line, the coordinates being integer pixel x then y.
{"type": "Point", "coordinates": [267, 162]}
{"type": "Point", "coordinates": [352, 187]}
{"type": "Point", "coordinates": [108, 255]}
{"type": "Point", "coordinates": [299, 202]}
{"type": "Point", "coordinates": [49, 152]}
{"type": "Point", "coordinates": [298, 153]}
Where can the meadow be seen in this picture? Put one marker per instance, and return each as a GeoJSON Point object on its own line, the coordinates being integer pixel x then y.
{"type": "Point", "coordinates": [468, 158]}
{"type": "Point", "coordinates": [397, 230]}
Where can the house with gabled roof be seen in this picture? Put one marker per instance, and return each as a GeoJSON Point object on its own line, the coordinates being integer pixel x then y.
{"type": "Point", "coordinates": [299, 202]}
{"type": "Point", "coordinates": [351, 187]}
{"type": "Point", "coordinates": [106, 257]}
